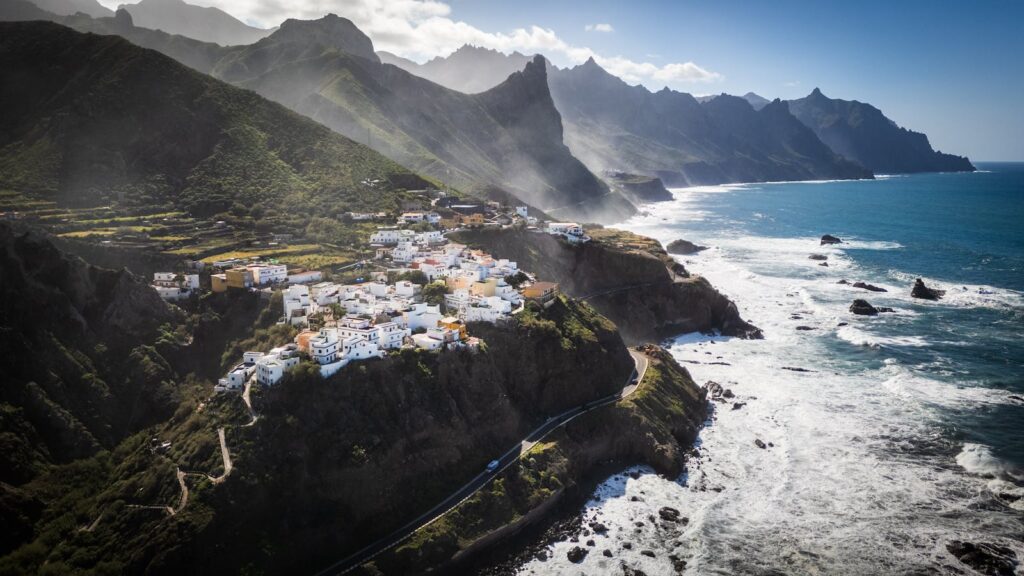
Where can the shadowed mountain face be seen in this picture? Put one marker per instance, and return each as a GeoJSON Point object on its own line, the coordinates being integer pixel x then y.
{"type": "Point", "coordinates": [92, 119]}
{"type": "Point", "coordinates": [613, 126]}
{"type": "Point", "coordinates": [469, 69]}
{"type": "Point", "coordinates": [862, 133]}
{"type": "Point", "coordinates": [507, 139]}
{"type": "Point", "coordinates": [509, 136]}
{"type": "Point", "coordinates": [199, 22]}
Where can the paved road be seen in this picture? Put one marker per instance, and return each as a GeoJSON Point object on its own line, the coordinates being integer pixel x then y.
{"type": "Point", "coordinates": [473, 486]}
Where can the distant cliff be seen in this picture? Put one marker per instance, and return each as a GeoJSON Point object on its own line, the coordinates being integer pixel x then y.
{"type": "Point", "coordinates": [610, 125]}
{"type": "Point", "coordinates": [628, 278]}
{"type": "Point", "coordinates": [860, 132]}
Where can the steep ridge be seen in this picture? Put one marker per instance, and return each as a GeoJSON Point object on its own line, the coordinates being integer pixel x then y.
{"type": "Point", "coordinates": [613, 126]}
{"type": "Point", "coordinates": [860, 132]}
{"type": "Point", "coordinates": [326, 69]}
{"type": "Point", "coordinates": [204, 23]}
{"type": "Point", "coordinates": [104, 120]}
{"type": "Point", "coordinates": [80, 370]}
{"type": "Point", "coordinates": [509, 136]}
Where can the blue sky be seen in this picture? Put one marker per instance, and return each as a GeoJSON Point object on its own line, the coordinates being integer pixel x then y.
{"type": "Point", "coordinates": [951, 69]}
{"type": "Point", "coordinates": [954, 70]}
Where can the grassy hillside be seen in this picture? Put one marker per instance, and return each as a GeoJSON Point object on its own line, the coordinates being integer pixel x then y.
{"type": "Point", "coordinates": [95, 120]}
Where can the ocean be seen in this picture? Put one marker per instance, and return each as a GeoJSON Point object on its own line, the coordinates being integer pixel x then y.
{"type": "Point", "coordinates": [906, 429]}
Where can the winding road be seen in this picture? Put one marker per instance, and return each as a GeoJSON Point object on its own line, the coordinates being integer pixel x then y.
{"type": "Point", "coordinates": [481, 480]}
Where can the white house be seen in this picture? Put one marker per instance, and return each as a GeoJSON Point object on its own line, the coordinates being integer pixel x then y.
{"type": "Point", "coordinates": [430, 237]}
{"type": "Point", "coordinates": [171, 286]}
{"type": "Point", "coordinates": [263, 274]}
{"type": "Point", "coordinates": [272, 366]}
{"type": "Point", "coordinates": [522, 211]}
{"type": "Point", "coordinates": [422, 315]}
{"type": "Point", "coordinates": [296, 304]}
{"type": "Point", "coordinates": [406, 289]}
{"type": "Point", "coordinates": [392, 236]}
{"type": "Point", "coordinates": [570, 230]}
{"type": "Point", "coordinates": [300, 276]}
{"type": "Point", "coordinates": [404, 252]}
{"type": "Point", "coordinates": [359, 348]}
{"type": "Point", "coordinates": [233, 381]}
{"type": "Point", "coordinates": [391, 335]}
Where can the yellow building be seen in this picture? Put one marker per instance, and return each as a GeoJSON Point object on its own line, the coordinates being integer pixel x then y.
{"type": "Point", "coordinates": [542, 292]}
{"type": "Point", "coordinates": [239, 278]}
{"type": "Point", "coordinates": [453, 323]}
{"type": "Point", "coordinates": [483, 287]}
{"type": "Point", "coordinates": [458, 282]}
{"type": "Point", "coordinates": [218, 282]}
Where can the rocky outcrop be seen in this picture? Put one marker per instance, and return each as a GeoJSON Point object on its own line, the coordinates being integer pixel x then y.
{"type": "Point", "coordinates": [626, 277]}
{"type": "Point", "coordinates": [868, 287]}
{"type": "Point", "coordinates": [830, 239]}
{"type": "Point", "coordinates": [925, 293]}
{"type": "Point", "coordinates": [819, 257]}
{"type": "Point", "coordinates": [863, 308]}
{"type": "Point", "coordinates": [989, 559]}
{"type": "Point", "coordinates": [684, 247]}
{"type": "Point", "coordinates": [639, 189]}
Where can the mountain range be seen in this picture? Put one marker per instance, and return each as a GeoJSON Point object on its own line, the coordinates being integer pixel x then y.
{"type": "Point", "coordinates": [861, 132]}
{"type": "Point", "coordinates": [492, 124]}
{"type": "Point", "coordinates": [90, 119]}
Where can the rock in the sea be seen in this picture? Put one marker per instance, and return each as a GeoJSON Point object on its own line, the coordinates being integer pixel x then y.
{"type": "Point", "coordinates": [863, 308]}
{"type": "Point", "coordinates": [738, 405]}
{"type": "Point", "coordinates": [599, 528]}
{"type": "Point", "coordinates": [830, 239]}
{"type": "Point", "coordinates": [683, 247]}
{"type": "Point", "coordinates": [627, 545]}
{"type": "Point", "coordinates": [648, 553]}
{"type": "Point", "coordinates": [925, 293]}
{"type": "Point", "coordinates": [825, 264]}
{"type": "Point", "coordinates": [727, 393]}
{"type": "Point", "coordinates": [591, 543]}
{"type": "Point", "coordinates": [607, 553]}
{"type": "Point", "coordinates": [669, 514]}
{"type": "Point", "coordinates": [870, 287]}
{"type": "Point", "coordinates": [760, 444]}
{"type": "Point", "coordinates": [844, 281]}
{"type": "Point", "coordinates": [818, 257]}
{"type": "Point", "coordinates": [805, 328]}
{"type": "Point", "coordinates": [576, 554]}
{"type": "Point", "coordinates": [986, 558]}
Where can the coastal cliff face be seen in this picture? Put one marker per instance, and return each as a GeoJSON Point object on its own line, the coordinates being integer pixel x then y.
{"type": "Point", "coordinates": [656, 426]}
{"type": "Point", "coordinates": [628, 278]}
{"type": "Point", "coordinates": [860, 132]}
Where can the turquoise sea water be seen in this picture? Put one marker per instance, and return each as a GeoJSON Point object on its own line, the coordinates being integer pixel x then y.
{"type": "Point", "coordinates": [902, 432]}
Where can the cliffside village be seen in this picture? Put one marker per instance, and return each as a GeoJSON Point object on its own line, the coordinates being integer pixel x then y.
{"type": "Point", "coordinates": [342, 323]}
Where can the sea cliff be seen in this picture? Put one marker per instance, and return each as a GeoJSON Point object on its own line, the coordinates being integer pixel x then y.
{"type": "Point", "coordinates": [627, 277]}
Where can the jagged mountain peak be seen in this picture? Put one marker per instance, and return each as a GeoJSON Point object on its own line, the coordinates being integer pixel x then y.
{"type": "Point", "coordinates": [330, 30]}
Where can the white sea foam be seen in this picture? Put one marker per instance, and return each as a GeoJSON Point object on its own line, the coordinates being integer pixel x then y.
{"type": "Point", "coordinates": [859, 479]}
{"type": "Point", "coordinates": [963, 295]}
{"type": "Point", "coordinates": [978, 459]}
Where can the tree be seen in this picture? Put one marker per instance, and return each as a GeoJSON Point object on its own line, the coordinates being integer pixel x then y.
{"type": "Point", "coordinates": [434, 293]}
{"type": "Point", "coordinates": [515, 280]}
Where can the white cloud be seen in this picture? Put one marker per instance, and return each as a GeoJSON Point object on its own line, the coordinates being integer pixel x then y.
{"type": "Point", "coordinates": [599, 28]}
{"type": "Point", "coordinates": [791, 84]}
{"type": "Point", "coordinates": [422, 29]}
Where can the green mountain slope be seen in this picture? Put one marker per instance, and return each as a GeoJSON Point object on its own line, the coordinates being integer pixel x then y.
{"type": "Point", "coordinates": [94, 119]}
{"type": "Point", "coordinates": [509, 136]}
{"type": "Point", "coordinates": [862, 133]}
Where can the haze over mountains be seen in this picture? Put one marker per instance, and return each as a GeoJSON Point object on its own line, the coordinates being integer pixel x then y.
{"type": "Point", "coordinates": [488, 123]}
{"type": "Point", "coordinates": [93, 119]}
{"type": "Point", "coordinates": [856, 131]}
{"type": "Point", "coordinates": [200, 22]}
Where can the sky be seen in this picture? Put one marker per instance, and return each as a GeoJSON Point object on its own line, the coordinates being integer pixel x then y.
{"type": "Point", "coordinates": [951, 69]}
